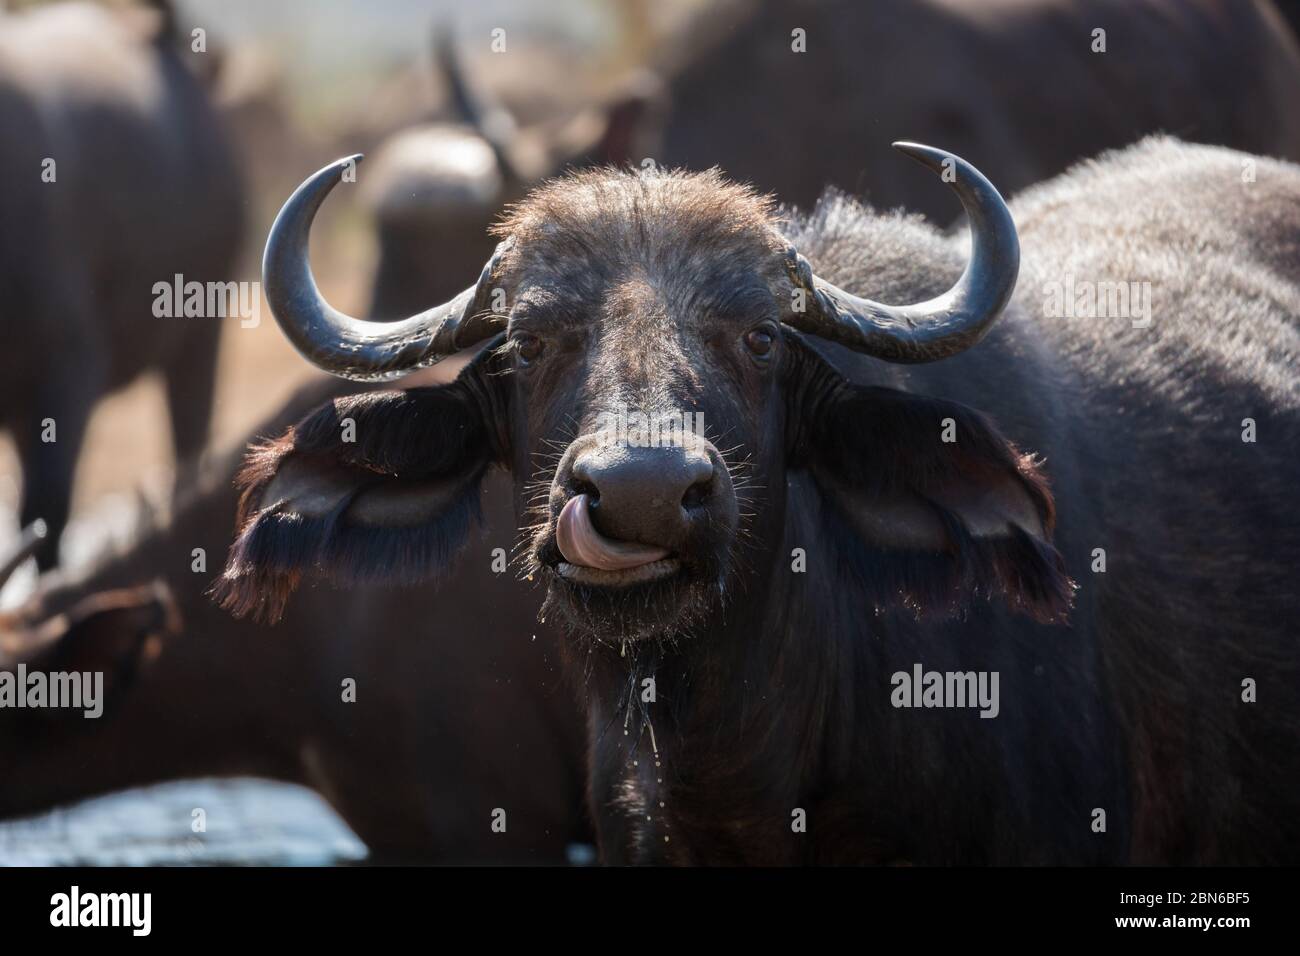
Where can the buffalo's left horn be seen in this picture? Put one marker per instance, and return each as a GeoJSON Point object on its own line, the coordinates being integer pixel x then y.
{"type": "Point", "coordinates": [355, 348]}
{"type": "Point", "coordinates": [942, 326]}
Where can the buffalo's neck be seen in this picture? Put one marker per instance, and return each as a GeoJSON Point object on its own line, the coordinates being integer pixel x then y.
{"type": "Point", "coordinates": [777, 738]}
{"type": "Point", "coordinates": [737, 745]}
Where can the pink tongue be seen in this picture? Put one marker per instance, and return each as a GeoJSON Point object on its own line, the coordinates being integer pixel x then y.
{"type": "Point", "coordinates": [583, 545]}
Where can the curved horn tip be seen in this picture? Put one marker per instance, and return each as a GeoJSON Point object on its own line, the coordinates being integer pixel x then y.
{"type": "Point", "coordinates": [333, 341]}
{"type": "Point", "coordinates": [335, 169]}
{"type": "Point", "coordinates": [323, 181]}
{"type": "Point", "coordinates": [930, 156]}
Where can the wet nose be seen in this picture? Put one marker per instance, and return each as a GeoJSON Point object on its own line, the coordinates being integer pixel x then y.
{"type": "Point", "coordinates": [644, 494]}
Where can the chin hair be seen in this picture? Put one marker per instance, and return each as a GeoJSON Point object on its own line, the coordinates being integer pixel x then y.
{"type": "Point", "coordinates": [667, 612]}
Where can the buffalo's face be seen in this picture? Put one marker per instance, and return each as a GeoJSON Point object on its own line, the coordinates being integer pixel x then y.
{"type": "Point", "coordinates": [647, 426]}
{"type": "Point", "coordinates": [650, 386]}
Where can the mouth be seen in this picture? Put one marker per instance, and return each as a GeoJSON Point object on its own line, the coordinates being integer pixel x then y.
{"type": "Point", "coordinates": [604, 586]}
{"type": "Point", "coordinates": [649, 573]}
{"type": "Point", "coordinates": [588, 558]}
{"type": "Point", "coordinates": [635, 604]}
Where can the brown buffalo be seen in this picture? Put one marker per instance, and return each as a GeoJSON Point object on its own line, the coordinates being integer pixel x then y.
{"type": "Point", "coordinates": [115, 176]}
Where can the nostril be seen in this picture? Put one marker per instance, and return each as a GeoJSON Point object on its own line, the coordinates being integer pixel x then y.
{"type": "Point", "coordinates": [699, 472]}
{"type": "Point", "coordinates": [581, 486]}
{"type": "Point", "coordinates": [582, 479]}
{"type": "Point", "coordinates": [696, 495]}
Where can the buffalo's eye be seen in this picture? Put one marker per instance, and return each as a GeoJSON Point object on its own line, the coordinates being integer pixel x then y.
{"type": "Point", "coordinates": [759, 341]}
{"type": "Point", "coordinates": [528, 348]}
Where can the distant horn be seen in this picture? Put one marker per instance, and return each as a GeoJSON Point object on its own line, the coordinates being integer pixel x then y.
{"type": "Point", "coordinates": [940, 327]}
{"type": "Point", "coordinates": [32, 537]}
{"type": "Point", "coordinates": [355, 348]}
{"type": "Point", "coordinates": [492, 121]}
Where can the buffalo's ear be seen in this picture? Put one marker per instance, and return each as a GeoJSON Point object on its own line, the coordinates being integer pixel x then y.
{"type": "Point", "coordinates": [943, 521]}
{"type": "Point", "coordinates": [381, 486]}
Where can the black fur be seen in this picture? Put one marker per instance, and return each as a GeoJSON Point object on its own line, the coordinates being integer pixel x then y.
{"type": "Point", "coordinates": [773, 686]}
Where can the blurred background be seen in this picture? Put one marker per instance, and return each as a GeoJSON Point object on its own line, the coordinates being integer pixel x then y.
{"type": "Point", "coordinates": [174, 150]}
{"type": "Point", "coordinates": [299, 84]}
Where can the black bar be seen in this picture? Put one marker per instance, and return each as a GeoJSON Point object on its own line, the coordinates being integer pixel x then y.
{"type": "Point", "coordinates": [233, 904]}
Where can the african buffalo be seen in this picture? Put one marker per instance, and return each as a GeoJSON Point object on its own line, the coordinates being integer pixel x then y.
{"type": "Point", "coordinates": [473, 717]}
{"type": "Point", "coordinates": [434, 188]}
{"type": "Point", "coordinates": [116, 176]}
{"type": "Point", "coordinates": [1020, 86]}
{"type": "Point", "coordinates": [1085, 502]}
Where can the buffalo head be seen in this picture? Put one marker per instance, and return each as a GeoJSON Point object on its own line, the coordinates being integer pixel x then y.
{"type": "Point", "coordinates": [649, 380]}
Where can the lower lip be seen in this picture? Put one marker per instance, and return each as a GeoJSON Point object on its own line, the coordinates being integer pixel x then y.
{"type": "Point", "coordinates": [594, 577]}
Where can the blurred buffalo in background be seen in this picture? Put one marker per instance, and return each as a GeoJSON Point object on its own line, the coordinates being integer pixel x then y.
{"type": "Point", "coordinates": [115, 176]}
{"type": "Point", "coordinates": [434, 188]}
{"type": "Point", "coordinates": [105, 632]}
{"type": "Point", "coordinates": [1023, 88]}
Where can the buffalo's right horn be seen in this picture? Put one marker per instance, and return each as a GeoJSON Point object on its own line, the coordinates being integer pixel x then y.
{"type": "Point", "coordinates": [355, 348]}
{"type": "Point", "coordinates": [943, 326]}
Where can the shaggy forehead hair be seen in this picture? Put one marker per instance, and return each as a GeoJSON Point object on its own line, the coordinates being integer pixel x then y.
{"type": "Point", "coordinates": [606, 217]}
